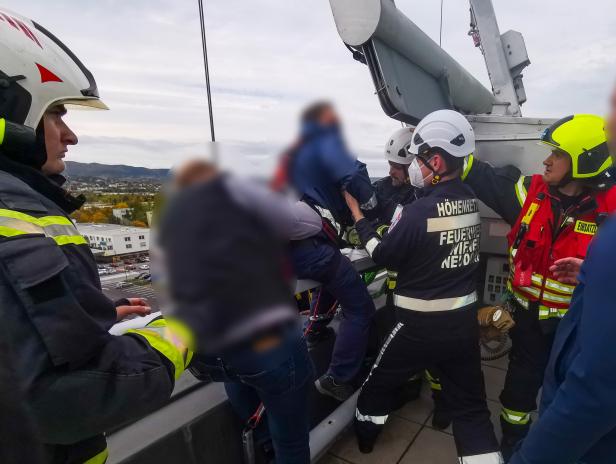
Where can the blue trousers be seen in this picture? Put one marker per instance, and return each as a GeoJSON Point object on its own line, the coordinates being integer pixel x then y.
{"type": "Point", "coordinates": [280, 377]}
{"type": "Point", "coordinates": [319, 260]}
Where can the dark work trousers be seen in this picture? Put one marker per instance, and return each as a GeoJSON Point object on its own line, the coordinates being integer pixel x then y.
{"type": "Point", "coordinates": [447, 341]}
{"type": "Point", "coordinates": [319, 260]}
{"type": "Point", "coordinates": [531, 343]}
{"type": "Point", "coordinates": [280, 376]}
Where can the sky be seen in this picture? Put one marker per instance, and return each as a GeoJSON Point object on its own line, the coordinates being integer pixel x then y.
{"type": "Point", "coordinates": [269, 58]}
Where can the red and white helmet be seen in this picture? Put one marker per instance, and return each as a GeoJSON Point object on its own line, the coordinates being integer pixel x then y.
{"type": "Point", "coordinates": [38, 71]}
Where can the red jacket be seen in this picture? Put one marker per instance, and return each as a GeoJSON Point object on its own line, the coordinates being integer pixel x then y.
{"type": "Point", "coordinates": [538, 239]}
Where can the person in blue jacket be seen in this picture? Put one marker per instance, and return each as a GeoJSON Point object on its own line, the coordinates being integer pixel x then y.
{"type": "Point", "coordinates": [321, 166]}
{"type": "Point", "coordinates": [577, 422]}
{"type": "Point", "coordinates": [318, 167]}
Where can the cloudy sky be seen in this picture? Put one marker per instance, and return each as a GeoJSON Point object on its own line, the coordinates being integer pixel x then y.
{"type": "Point", "coordinates": [268, 58]}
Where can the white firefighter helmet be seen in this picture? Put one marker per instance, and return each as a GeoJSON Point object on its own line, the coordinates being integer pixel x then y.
{"type": "Point", "coordinates": [38, 71]}
{"type": "Point", "coordinates": [444, 129]}
{"type": "Point", "coordinates": [396, 149]}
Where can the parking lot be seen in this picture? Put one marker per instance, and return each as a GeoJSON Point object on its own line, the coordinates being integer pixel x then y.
{"type": "Point", "coordinates": [132, 291]}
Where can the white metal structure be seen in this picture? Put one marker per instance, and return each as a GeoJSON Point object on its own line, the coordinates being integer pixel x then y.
{"type": "Point", "coordinates": [115, 239]}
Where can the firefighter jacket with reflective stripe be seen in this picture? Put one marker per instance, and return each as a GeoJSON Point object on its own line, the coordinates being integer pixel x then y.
{"type": "Point", "coordinates": [433, 244]}
{"type": "Point", "coordinates": [79, 380]}
{"type": "Point", "coordinates": [542, 231]}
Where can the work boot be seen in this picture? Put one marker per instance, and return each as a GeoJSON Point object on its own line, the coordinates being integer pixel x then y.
{"type": "Point", "coordinates": [326, 385]}
{"type": "Point", "coordinates": [441, 419]}
{"type": "Point", "coordinates": [512, 437]}
{"type": "Point", "coordinates": [366, 435]}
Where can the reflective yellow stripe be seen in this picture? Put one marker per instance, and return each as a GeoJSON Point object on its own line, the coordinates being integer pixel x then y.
{"type": "Point", "coordinates": [100, 458]}
{"type": "Point", "coordinates": [2, 130]}
{"type": "Point", "coordinates": [468, 164]}
{"type": "Point", "coordinates": [41, 222]}
{"type": "Point", "coordinates": [10, 232]}
{"type": "Point", "coordinates": [171, 339]}
{"type": "Point", "coordinates": [548, 313]}
{"type": "Point", "coordinates": [382, 229]}
{"type": "Point", "coordinates": [551, 297]}
{"type": "Point", "coordinates": [435, 384]}
{"type": "Point", "coordinates": [520, 191]}
{"type": "Point", "coordinates": [59, 228]}
{"type": "Point", "coordinates": [559, 286]}
{"type": "Point", "coordinates": [553, 284]}
{"type": "Point", "coordinates": [532, 290]}
{"type": "Point", "coordinates": [70, 239]}
{"type": "Point", "coordinates": [515, 417]}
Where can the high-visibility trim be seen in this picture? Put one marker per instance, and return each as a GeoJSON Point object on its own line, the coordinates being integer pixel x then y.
{"type": "Point", "coordinates": [487, 458]}
{"type": "Point", "coordinates": [170, 339]}
{"type": "Point", "coordinates": [10, 232]}
{"type": "Point", "coordinates": [41, 222]}
{"type": "Point", "coordinates": [468, 165]}
{"type": "Point", "coordinates": [515, 417]}
{"type": "Point", "coordinates": [443, 304]}
{"type": "Point", "coordinates": [70, 239]}
{"type": "Point", "coordinates": [441, 224]}
{"type": "Point", "coordinates": [382, 229]}
{"type": "Point", "coordinates": [391, 336]}
{"type": "Point", "coordinates": [392, 277]}
{"type": "Point", "coordinates": [2, 130]}
{"type": "Point", "coordinates": [559, 286]}
{"type": "Point", "coordinates": [520, 191]}
{"type": "Point", "coordinates": [378, 420]}
{"type": "Point", "coordinates": [371, 245]}
{"type": "Point", "coordinates": [552, 284]}
{"type": "Point", "coordinates": [520, 299]}
{"type": "Point", "coordinates": [100, 458]}
{"type": "Point", "coordinates": [59, 228]}
{"type": "Point", "coordinates": [435, 383]}
{"type": "Point", "coordinates": [549, 313]}
{"type": "Point", "coordinates": [553, 298]}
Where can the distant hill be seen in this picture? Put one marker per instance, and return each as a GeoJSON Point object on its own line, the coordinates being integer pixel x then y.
{"type": "Point", "coordinates": [113, 171]}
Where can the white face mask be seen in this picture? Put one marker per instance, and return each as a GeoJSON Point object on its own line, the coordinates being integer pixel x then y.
{"type": "Point", "coordinates": [416, 177]}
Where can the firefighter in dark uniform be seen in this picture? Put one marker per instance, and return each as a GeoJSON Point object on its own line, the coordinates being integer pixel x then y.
{"type": "Point", "coordinates": [394, 189]}
{"type": "Point", "coordinates": [433, 244]}
{"type": "Point", "coordinates": [553, 216]}
{"type": "Point", "coordinates": [79, 381]}
{"type": "Point", "coordinates": [392, 192]}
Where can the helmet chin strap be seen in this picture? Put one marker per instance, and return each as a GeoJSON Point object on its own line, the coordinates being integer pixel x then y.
{"type": "Point", "coordinates": [436, 177]}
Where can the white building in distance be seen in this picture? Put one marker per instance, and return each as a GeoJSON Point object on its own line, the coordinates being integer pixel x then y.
{"type": "Point", "coordinates": [121, 213]}
{"type": "Point", "coordinates": [114, 239]}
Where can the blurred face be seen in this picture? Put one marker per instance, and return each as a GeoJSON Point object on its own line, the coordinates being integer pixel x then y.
{"type": "Point", "coordinates": [557, 165]}
{"type": "Point", "coordinates": [399, 174]}
{"type": "Point", "coordinates": [58, 137]}
{"type": "Point", "coordinates": [194, 172]}
{"type": "Point", "coordinates": [611, 126]}
{"type": "Point", "coordinates": [328, 117]}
